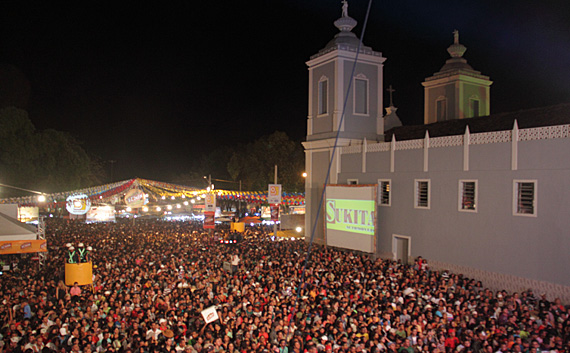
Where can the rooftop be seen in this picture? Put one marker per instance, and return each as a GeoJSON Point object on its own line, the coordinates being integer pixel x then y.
{"type": "Point", "coordinates": [528, 118]}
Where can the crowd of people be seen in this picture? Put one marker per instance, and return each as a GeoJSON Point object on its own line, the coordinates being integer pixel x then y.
{"type": "Point", "coordinates": [153, 279]}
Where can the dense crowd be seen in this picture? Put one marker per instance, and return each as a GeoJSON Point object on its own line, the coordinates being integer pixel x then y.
{"type": "Point", "coordinates": [152, 279]}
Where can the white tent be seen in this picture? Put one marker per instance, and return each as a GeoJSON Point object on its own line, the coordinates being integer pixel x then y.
{"type": "Point", "coordinates": [12, 229]}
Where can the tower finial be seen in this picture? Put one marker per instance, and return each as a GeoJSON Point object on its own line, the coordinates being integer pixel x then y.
{"type": "Point", "coordinates": [345, 23]}
{"type": "Point", "coordinates": [456, 50]}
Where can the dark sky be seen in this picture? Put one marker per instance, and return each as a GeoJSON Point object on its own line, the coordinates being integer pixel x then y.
{"type": "Point", "coordinates": [153, 85]}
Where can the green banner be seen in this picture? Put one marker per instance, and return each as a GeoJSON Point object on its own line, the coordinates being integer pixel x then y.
{"type": "Point", "coordinates": [354, 216]}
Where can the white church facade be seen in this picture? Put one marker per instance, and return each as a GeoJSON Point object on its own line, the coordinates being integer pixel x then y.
{"type": "Point", "coordinates": [478, 194]}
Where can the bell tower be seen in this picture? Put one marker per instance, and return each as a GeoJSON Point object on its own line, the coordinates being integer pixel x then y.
{"type": "Point", "coordinates": [334, 79]}
{"type": "Point", "coordinates": [457, 91]}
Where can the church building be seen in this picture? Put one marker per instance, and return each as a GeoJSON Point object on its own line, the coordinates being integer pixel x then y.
{"type": "Point", "coordinates": [474, 193]}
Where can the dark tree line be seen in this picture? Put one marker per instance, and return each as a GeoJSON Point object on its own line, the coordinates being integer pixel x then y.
{"type": "Point", "coordinates": [53, 161]}
{"type": "Point", "coordinates": [253, 164]}
{"type": "Point", "coordinates": [47, 161]}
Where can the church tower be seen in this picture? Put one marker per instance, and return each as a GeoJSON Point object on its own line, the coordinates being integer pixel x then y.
{"type": "Point", "coordinates": [456, 91]}
{"type": "Point", "coordinates": [331, 82]}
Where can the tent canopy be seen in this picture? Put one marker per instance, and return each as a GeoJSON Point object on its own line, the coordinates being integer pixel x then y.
{"type": "Point", "coordinates": [12, 229]}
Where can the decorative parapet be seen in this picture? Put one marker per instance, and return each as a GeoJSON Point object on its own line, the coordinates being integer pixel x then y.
{"type": "Point", "coordinates": [539, 133]}
{"type": "Point", "coordinates": [544, 133]}
{"type": "Point", "coordinates": [410, 145]}
{"type": "Point", "coordinates": [490, 137]}
{"type": "Point", "coordinates": [378, 147]}
{"type": "Point", "coordinates": [447, 141]}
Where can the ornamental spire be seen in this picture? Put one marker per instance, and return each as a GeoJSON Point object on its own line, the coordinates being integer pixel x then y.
{"type": "Point", "coordinates": [456, 50]}
{"type": "Point", "coordinates": [345, 23]}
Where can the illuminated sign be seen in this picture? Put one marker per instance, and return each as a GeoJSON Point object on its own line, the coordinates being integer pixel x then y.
{"type": "Point", "coordinates": [210, 202]}
{"type": "Point", "coordinates": [135, 198]}
{"type": "Point", "coordinates": [274, 194]}
{"type": "Point", "coordinates": [101, 214]}
{"type": "Point", "coordinates": [351, 215]}
{"type": "Point", "coordinates": [78, 204]}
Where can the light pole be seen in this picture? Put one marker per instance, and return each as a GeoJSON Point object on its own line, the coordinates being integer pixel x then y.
{"type": "Point", "coordinates": [275, 222]}
{"type": "Point", "coordinates": [228, 181]}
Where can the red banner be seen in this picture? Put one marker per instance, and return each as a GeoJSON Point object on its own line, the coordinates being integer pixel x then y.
{"type": "Point", "coordinates": [22, 246]}
{"type": "Point", "coordinates": [274, 213]}
{"type": "Point", "coordinates": [209, 220]}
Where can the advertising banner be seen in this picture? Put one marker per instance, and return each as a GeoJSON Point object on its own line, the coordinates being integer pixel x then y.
{"type": "Point", "coordinates": [135, 198]}
{"type": "Point", "coordinates": [22, 246]}
{"type": "Point", "coordinates": [210, 314]}
{"type": "Point", "coordinates": [210, 202]}
{"type": "Point", "coordinates": [274, 194]}
{"type": "Point", "coordinates": [275, 213]}
{"type": "Point", "coordinates": [350, 217]}
{"type": "Point", "coordinates": [209, 220]}
{"type": "Point", "coordinates": [78, 204]}
{"type": "Point", "coordinates": [101, 214]}
{"type": "Point", "coordinates": [356, 216]}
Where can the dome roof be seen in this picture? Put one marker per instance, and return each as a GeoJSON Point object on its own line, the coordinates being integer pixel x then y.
{"type": "Point", "coordinates": [456, 64]}
{"type": "Point", "coordinates": [345, 39]}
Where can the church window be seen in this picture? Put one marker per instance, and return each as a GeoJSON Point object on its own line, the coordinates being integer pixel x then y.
{"type": "Point", "coordinates": [360, 96]}
{"type": "Point", "coordinates": [441, 109]}
{"type": "Point", "coordinates": [323, 96]}
{"type": "Point", "coordinates": [474, 107]}
{"type": "Point", "coordinates": [468, 195]}
{"type": "Point", "coordinates": [384, 197]}
{"type": "Point", "coordinates": [422, 193]}
{"type": "Point", "coordinates": [524, 197]}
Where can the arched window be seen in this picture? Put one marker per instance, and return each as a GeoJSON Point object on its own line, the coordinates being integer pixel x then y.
{"type": "Point", "coordinates": [361, 95]}
{"type": "Point", "coordinates": [441, 109]}
{"type": "Point", "coordinates": [474, 107]}
{"type": "Point", "coordinates": [323, 96]}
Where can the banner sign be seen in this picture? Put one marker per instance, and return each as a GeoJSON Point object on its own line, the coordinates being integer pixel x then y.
{"type": "Point", "coordinates": [101, 214]}
{"type": "Point", "coordinates": [356, 216]}
{"type": "Point", "coordinates": [78, 204]}
{"type": "Point", "coordinates": [274, 194]}
{"type": "Point", "coordinates": [210, 314]}
{"type": "Point", "coordinates": [135, 198]}
{"type": "Point", "coordinates": [210, 202]}
{"type": "Point", "coordinates": [274, 213]}
{"type": "Point", "coordinates": [209, 220]}
{"type": "Point", "coordinates": [22, 246]}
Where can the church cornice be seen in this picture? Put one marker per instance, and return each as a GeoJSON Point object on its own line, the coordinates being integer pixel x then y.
{"type": "Point", "coordinates": [347, 48]}
{"type": "Point", "coordinates": [346, 55]}
{"type": "Point", "coordinates": [457, 75]}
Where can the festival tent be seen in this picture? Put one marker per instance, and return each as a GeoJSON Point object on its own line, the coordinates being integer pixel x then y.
{"type": "Point", "coordinates": [18, 238]}
{"type": "Point", "coordinates": [12, 229]}
{"type": "Point", "coordinates": [156, 191]}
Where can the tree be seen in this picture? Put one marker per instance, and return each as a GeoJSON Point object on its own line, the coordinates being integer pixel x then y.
{"type": "Point", "coordinates": [214, 164]}
{"type": "Point", "coordinates": [63, 164]}
{"type": "Point", "coordinates": [47, 161]}
{"type": "Point", "coordinates": [254, 163]}
{"type": "Point", "coordinates": [18, 153]}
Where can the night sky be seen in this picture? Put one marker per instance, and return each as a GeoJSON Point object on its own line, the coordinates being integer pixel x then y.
{"type": "Point", "coordinates": [154, 85]}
